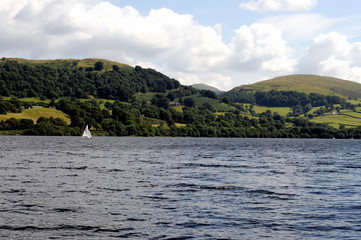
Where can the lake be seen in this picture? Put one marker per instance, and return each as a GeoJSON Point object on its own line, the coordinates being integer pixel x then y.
{"type": "Point", "coordinates": [179, 188]}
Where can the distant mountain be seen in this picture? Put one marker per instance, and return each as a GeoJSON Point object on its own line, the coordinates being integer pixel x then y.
{"type": "Point", "coordinates": [307, 84]}
{"type": "Point", "coordinates": [201, 86]}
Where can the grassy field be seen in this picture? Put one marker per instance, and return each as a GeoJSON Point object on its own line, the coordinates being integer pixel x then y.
{"type": "Point", "coordinates": [178, 108]}
{"type": "Point", "coordinates": [47, 101]}
{"type": "Point", "coordinates": [35, 113]}
{"type": "Point", "coordinates": [354, 102]}
{"type": "Point", "coordinates": [108, 65]}
{"type": "Point", "coordinates": [337, 120]}
{"type": "Point", "coordinates": [352, 114]}
{"type": "Point", "coordinates": [33, 99]}
{"type": "Point", "coordinates": [145, 96]}
{"type": "Point", "coordinates": [281, 110]}
{"type": "Point", "coordinates": [218, 106]}
{"type": "Point", "coordinates": [347, 117]}
{"type": "Point", "coordinates": [62, 63]}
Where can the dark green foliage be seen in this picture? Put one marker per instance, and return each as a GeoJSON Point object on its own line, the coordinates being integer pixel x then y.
{"type": "Point", "coordinates": [208, 94]}
{"type": "Point", "coordinates": [13, 105]}
{"type": "Point", "coordinates": [31, 80]}
{"type": "Point", "coordinates": [116, 68]}
{"type": "Point", "coordinates": [240, 97]}
{"type": "Point", "coordinates": [189, 102]}
{"type": "Point", "coordinates": [26, 124]}
{"type": "Point", "coordinates": [160, 101]}
{"type": "Point", "coordinates": [98, 66]}
{"type": "Point", "coordinates": [291, 99]}
{"type": "Point", "coordinates": [275, 98]}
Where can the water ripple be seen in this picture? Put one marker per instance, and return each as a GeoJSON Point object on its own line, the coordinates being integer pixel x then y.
{"type": "Point", "coordinates": [179, 188]}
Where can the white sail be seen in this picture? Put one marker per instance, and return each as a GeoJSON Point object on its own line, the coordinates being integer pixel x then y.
{"type": "Point", "coordinates": [86, 133]}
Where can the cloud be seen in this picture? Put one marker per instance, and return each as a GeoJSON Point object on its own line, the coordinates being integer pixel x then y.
{"type": "Point", "coordinates": [333, 55]}
{"type": "Point", "coordinates": [170, 42]}
{"type": "Point", "coordinates": [301, 26]}
{"type": "Point", "coordinates": [279, 5]}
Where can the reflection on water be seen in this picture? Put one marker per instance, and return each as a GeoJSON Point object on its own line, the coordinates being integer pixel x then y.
{"type": "Point", "coordinates": [164, 188]}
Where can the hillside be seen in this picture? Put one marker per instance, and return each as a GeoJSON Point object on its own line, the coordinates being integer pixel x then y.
{"type": "Point", "coordinates": [201, 86]}
{"type": "Point", "coordinates": [119, 100]}
{"type": "Point", "coordinates": [66, 63]}
{"type": "Point", "coordinates": [79, 78]}
{"type": "Point", "coordinates": [308, 84]}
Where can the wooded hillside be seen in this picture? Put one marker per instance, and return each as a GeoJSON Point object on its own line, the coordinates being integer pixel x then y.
{"type": "Point", "coordinates": [80, 79]}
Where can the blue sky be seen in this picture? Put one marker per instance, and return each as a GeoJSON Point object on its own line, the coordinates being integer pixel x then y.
{"type": "Point", "coordinates": [221, 43]}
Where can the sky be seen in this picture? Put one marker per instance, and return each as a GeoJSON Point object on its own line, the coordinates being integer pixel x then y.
{"type": "Point", "coordinates": [224, 44]}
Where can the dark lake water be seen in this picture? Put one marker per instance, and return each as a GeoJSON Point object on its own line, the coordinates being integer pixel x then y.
{"type": "Point", "coordinates": [179, 188]}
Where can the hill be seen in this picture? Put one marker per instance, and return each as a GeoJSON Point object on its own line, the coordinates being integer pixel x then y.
{"type": "Point", "coordinates": [66, 63]}
{"type": "Point", "coordinates": [201, 86]}
{"type": "Point", "coordinates": [327, 86]}
{"type": "Point", "coordinates": [119, 100]}
{"type": "Point", "coordinates": [79, 78]}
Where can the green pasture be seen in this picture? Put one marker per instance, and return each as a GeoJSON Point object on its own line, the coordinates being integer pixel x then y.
{"type": "Point", "coordinates": [216, 104]}
{"type": "Point", "coordinates": [281, 110]}
{"type": "Point", "coordinates": [178, 108]}
{"type": "Point", "coordinates": [337, 120]}
{"type": "Point", "coordinates": [35, 113]}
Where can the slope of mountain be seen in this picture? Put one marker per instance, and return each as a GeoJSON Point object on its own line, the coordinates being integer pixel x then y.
{"type": "Point", "coordinates": [66, 63]}
{"type": "Point", "coordinates": [79, 78]}
{"type": "Point", "coordinates": [307, 84]}
{"type": "Point", "coordinates": [202, 86]}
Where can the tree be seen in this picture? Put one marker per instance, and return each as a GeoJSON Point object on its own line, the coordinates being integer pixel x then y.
{"type": "Point", "coordinates": [171, 96]}
{"type": "Point", "coordinates": [209, 94]}
{"type": "Point", "coordinates": [160, 101]}
{"type": "Point", "coordinates": [120, 115]}
{"type": "Point", "coordinates": [98, 66]}
{"type": "Point", "coordinates": [189, 102]}
{"type": "Point", "coordinates": [12, 124]}
{"type": "Point", "coordinates": [26, 124]}
{"type": "Point", "coordinates": [116, 68]}
{"type": "Point", "coordinates": [225, 100]}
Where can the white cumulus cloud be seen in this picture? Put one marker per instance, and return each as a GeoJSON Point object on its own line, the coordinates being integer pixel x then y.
{"type": "Point", "coordinates": [279, 5]}
{"type": "Point", "coordinates": [332, 54]}
{"type": "Point", "coordinates": [170, 42]}
{"type": "Point", "coordinates": [301, 26]}
{"type": "Point", "coordinates": [260, 47]}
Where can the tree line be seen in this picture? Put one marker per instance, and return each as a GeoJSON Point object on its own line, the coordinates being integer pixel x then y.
{"type": "Point", "coordinates": [276, 98]}
{"type": "Point", "coordinates": [135, 119]}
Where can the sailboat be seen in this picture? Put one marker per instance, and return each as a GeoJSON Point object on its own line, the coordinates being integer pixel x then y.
{"type": "Point", "coordinates": [86, 133]}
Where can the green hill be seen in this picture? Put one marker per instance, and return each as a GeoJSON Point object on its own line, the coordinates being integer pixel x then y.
{"type": "Point", "coordinates": [119, 100]}
{"type": "Point", "coordinates": [201, 86]}
{"type": "Point", "coordinates": [308, 84]}
{"type": "Point", "coordinates": [99, 78]}
{"type": "Point", "coordinates": [66, 63]}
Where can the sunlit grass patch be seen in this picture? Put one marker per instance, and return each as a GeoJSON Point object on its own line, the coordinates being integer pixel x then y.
{"type": "Point", "coordinates": [337, 120]}
{"type": "Point", "coordinates": [35, 113]}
